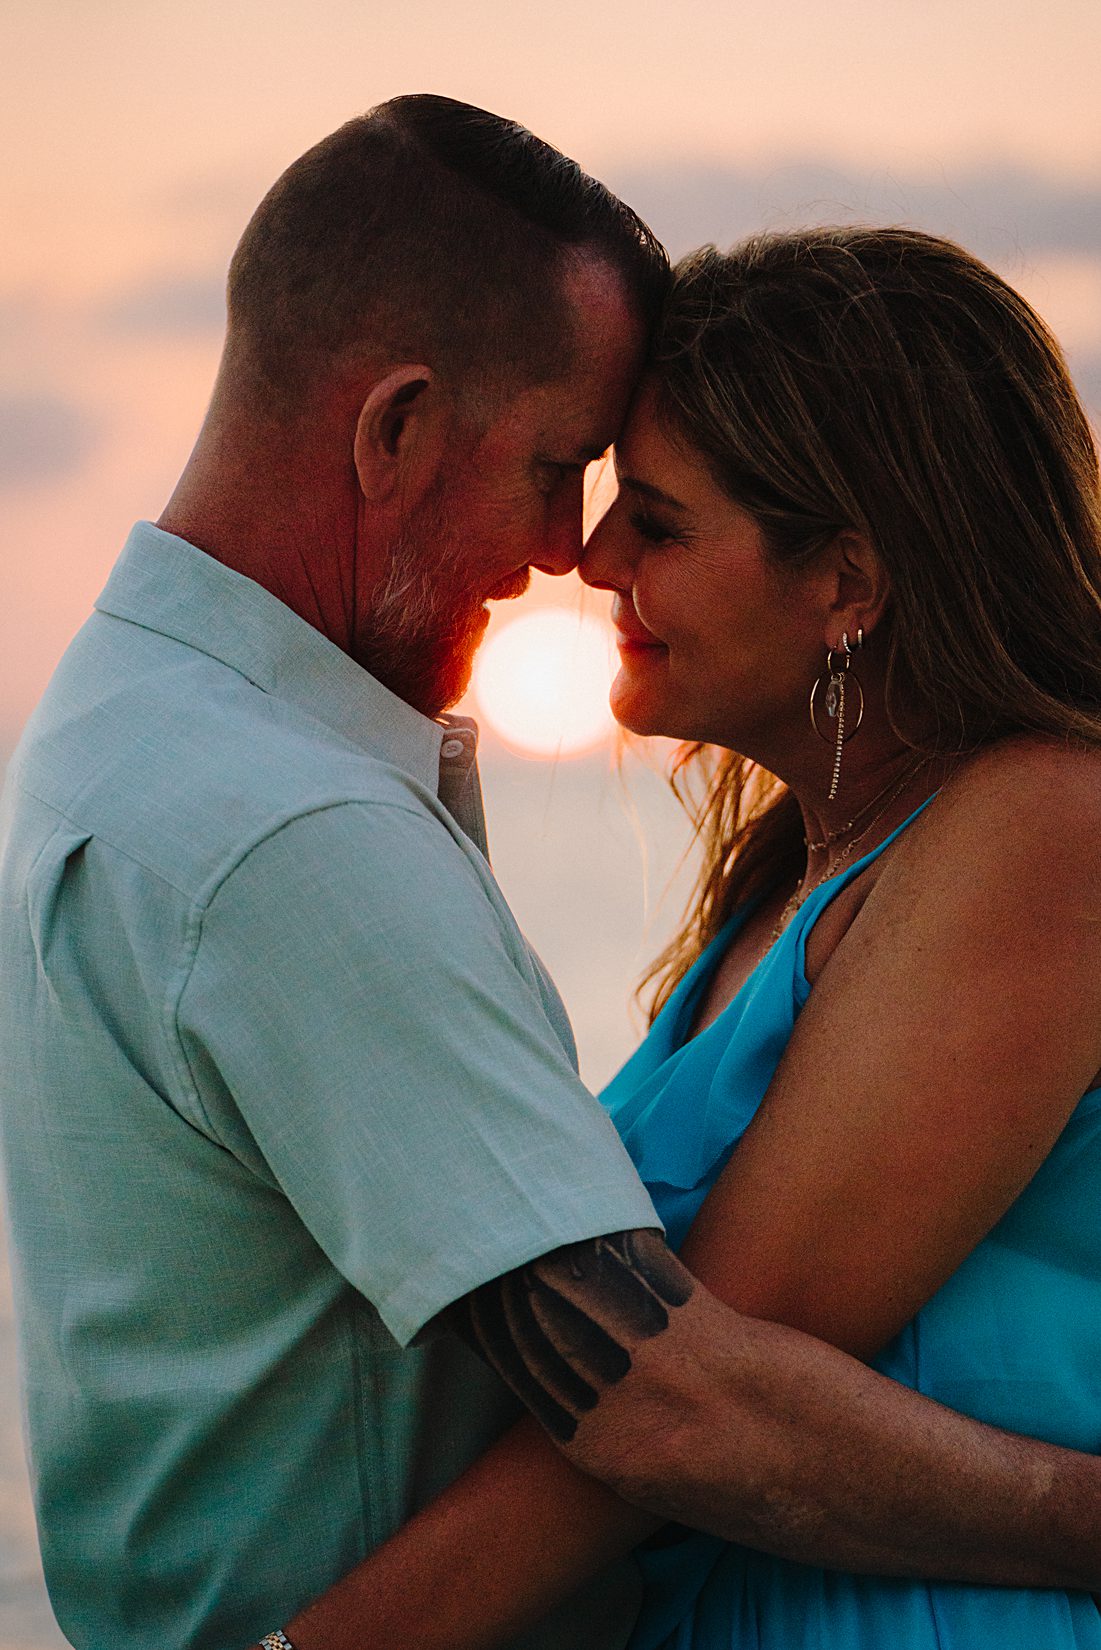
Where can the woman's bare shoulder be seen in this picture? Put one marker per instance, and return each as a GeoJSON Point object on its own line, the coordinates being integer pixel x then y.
{"type": "Point", "coordinates": [1007, 856]}
{"type": "Point", "coordinates": [1027, 790]}
{"type": "Point", "coordinates": [1033, 758]}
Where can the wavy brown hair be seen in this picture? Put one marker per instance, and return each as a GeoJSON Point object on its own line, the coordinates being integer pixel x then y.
{"type": "Point", "coordinates": [886, 381]}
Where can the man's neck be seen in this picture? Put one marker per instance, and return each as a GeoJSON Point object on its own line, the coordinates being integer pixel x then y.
{"type": "Point", "coordinates": [284, 520]}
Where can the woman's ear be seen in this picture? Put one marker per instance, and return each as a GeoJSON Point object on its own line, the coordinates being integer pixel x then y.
{"type": "Point", "coordinates": [859, 587]}
{"type": "Point", "coordinates": [396, 435]}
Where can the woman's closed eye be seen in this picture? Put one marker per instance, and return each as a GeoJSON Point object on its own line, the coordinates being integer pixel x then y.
{"type": "Point", "coordinates": [651, 527]}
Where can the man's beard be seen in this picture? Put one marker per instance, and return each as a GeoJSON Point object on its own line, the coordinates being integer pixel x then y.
{"type": "Point", "coordinates": [426, 621]}
{"type": "Point", "coordinates": [421, 636]}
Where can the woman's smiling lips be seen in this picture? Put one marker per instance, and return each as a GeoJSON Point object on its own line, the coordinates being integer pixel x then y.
{"type": "Point", "coordinates": [632, 636]}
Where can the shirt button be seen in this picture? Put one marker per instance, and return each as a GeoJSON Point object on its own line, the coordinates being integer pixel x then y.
{"type": "Point", "coordinates": [451, 748]}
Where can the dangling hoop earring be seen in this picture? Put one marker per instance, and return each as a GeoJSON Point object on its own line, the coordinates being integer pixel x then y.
{"type": "Point", "coordinates": [843, 681]}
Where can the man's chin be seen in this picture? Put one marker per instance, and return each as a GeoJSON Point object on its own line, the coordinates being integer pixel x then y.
{"type": "Point", "coordinates": [430, 671]}
{"type": "Point", "coordinates": [446, 674]}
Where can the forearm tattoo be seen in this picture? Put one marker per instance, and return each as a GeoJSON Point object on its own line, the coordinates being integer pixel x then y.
{"type": "Point", "coordinates": [561, 1330]}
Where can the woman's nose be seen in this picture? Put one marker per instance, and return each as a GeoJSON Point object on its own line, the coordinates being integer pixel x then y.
{"type": "Point", "coordinates": [603, 564]}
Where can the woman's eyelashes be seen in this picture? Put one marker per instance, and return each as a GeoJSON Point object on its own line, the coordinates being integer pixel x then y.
{"type": "Point", "coordinates": [651, 527]}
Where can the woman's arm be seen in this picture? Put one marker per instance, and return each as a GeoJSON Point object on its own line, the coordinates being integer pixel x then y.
{"type": "Point", "coordinates": [942, 1049]}
{"type": "Point", "coordinates": [843, 1227]}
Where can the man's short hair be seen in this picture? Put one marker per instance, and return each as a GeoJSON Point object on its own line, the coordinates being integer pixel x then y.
{"type": "Point", "coordinates": [432, 231]}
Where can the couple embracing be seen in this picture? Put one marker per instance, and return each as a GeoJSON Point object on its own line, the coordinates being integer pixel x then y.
{"type": "Point", "coordinates": [348, 1317]}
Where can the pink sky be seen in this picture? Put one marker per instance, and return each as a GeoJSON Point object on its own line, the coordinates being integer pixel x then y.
{"type": "Point", "coordinates": [146, 130]}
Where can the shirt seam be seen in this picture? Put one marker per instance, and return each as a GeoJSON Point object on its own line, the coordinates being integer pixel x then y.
{"type": "Point", "coordinates": [172, 1046]}
{"type": "Point", "coordinates": [199, 905]}
{"type": "Point", "coordinates": [177, 979]}
{"type": "Point", "coordinates": [240, 853]}
{"type": "Point", "coordinates": [406, 1301]}
{"type": "Point", "coordinates": [23, 785]}
{"type": "Point", "coordinates": [364, 1499]}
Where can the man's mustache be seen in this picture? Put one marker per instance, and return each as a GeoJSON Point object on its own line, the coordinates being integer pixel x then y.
{"type": "Point", "coordinates": [507, 589]}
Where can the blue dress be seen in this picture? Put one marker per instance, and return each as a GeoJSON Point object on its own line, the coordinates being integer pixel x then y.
{"type": "Point", "coordinates": [1013, 1338]}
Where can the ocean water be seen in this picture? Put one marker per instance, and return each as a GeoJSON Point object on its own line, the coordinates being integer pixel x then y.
{"type": "Point", "coordinates": [582, 854]}
{"type": "Point", "coordinates": [26, 1620]}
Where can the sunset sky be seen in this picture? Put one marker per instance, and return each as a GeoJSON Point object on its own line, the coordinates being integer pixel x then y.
{"type": "Point", "coordinates": [138, 135]}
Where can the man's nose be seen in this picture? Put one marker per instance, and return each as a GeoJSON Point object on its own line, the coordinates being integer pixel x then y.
{"type": "Point", "coordinates": [559, 557]}
{"type": "Point", "coordinates": [561, 548]}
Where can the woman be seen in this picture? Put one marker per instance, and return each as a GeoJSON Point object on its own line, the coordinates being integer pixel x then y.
{"type": "Point", "coordinates": [856, 557]}
{"type": "Point", "coordinates": [867, 432]}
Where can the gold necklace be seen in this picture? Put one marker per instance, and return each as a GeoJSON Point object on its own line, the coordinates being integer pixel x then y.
{"type": "Point", "coordinates": [833, 836]}
{"type": "Point", "coordinates": [802, 893]}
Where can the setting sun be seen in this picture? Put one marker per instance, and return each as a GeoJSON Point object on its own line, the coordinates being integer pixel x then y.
{"type": "Point", "coordinates": [542, 681]}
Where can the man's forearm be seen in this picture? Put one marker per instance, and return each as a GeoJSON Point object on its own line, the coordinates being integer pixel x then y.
{"type": "Point", "coordinates": [516, 1534]}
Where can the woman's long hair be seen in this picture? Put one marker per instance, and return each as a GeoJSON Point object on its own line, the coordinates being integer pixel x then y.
{"type": "Point", "coordinates": [886, 381]}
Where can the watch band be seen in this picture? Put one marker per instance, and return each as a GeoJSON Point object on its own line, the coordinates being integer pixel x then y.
{"type": "Point", "coordinates": [277, 1640]}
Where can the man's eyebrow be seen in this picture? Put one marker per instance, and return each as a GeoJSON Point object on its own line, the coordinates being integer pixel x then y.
{"type": "Point", "coordinates": [634, 485]}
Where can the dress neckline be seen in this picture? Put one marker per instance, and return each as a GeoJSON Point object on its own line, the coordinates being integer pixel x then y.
{"type": "Point", "coordinates": [686, 1000]}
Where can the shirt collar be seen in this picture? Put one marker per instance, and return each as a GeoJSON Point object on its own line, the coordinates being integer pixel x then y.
{"type": "Point", "coordinates": [167, 585]}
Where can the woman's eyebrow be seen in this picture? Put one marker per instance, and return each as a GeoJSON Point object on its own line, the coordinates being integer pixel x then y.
{"type": "Point", "coordinates": [634, 485]}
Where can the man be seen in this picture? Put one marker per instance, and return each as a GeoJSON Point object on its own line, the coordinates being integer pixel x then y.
{"type": "Point", "coordinates": [281, 1080]}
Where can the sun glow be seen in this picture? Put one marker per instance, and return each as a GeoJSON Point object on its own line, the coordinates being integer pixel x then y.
{"type": "Point", "coordinates": [541, 683]}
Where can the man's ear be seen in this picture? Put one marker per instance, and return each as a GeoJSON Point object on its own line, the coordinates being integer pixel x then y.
{"type": "Point", "coordinates": [396, 435]}
{"type": "Point", "coordinates": [858, 589]}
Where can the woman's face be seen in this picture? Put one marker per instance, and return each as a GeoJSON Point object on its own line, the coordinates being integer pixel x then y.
{"type": "Point", "coordinates": [717, 643]}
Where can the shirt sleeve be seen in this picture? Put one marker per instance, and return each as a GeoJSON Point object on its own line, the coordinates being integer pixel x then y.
{"type": "Point", "coordinates": [360, 995]}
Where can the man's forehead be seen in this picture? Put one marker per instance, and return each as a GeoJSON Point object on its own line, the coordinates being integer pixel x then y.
{"type": "Point", "coordinates": [583, 424]}
{"type": "Point", "coordinates": [575, 418]}
{"type": "Point", "coordinates": [609, 331]}
{"type": "Point", "coordinates": [591, 401]}
{"type": "Point", "coordinates": [597, 290]}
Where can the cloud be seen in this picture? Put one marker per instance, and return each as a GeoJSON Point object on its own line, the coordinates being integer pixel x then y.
{"type": "Point", "coordinates": [26, 337]}
{"type": "Point", "coordinates": [1087, 377]}
{"type": "Point", "coordinates": [18, 312]}
{"type": "Point", "coordinates": [212, 197]}
{"type": "Point", "coordinates": [996, 211]}
{"type": "Point", "coordinates": [1044, 236]}
{"type": "Point", "coordinates": [170, 306]}
{"type": "Point", "coordinates": [42, 438]}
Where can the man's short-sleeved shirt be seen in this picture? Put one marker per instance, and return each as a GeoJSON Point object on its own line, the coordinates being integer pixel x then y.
{"type": "Point", "coordinates": [279, 1080]}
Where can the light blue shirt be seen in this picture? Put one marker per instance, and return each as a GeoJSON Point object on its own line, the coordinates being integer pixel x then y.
{"type": "Point", "coordinates": [279, 1080]}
